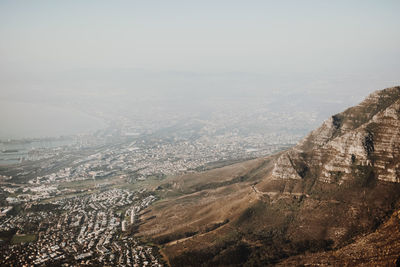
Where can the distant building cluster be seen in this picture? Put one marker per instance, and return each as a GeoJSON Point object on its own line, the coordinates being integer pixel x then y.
{"type": "Point", "coordinates": [90, 230]}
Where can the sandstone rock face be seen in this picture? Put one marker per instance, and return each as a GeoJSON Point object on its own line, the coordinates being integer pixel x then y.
{"type": "Point", "coordinates": [363, 139]}
{"type": "Point", "coordinates": [284, 169]}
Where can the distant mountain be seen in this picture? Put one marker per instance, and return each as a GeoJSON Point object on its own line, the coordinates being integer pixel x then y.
{"type": "Point", "coordinates": [331, 199]}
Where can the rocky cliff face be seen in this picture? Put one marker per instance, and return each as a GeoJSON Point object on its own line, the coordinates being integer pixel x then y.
{"type": "Point", "coordinates": [340, 183]}
{"type": "Point", "coordinates": [347, 144]}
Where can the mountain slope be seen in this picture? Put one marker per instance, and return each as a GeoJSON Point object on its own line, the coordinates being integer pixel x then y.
{"type": "Point", "coordinates": [380, 248]}
{"type": "Point", "coordinates": [338, 183]}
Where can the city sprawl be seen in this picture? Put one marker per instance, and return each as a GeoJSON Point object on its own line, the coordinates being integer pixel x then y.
{"type": "Point", "coordinates": [80, 202]}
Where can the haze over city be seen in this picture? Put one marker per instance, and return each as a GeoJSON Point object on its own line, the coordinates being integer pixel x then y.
{"type": "Point", "coordinates": [69, 58]}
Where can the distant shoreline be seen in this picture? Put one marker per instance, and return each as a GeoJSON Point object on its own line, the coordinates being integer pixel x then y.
{"type": "Point", "coordinates": [36, 139]}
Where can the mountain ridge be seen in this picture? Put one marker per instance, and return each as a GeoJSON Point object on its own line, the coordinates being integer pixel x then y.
{"type": "Point", "coordinates": [340, 182]}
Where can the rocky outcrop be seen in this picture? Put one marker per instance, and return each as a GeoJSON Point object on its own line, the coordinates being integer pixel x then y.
{"type": "Point", "coordinates": [362, 138]}
{"type": "Point", "coordinates": [284, 168]}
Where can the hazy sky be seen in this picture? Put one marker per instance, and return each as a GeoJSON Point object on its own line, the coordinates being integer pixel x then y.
{"type": "Point", "coordinates": [222, 36]}
{"type": "Point", "coordinates": [104, 55]}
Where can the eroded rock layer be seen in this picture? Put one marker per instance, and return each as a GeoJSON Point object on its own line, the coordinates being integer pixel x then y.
{"type": "Point", "coordinates": [364, 136]}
